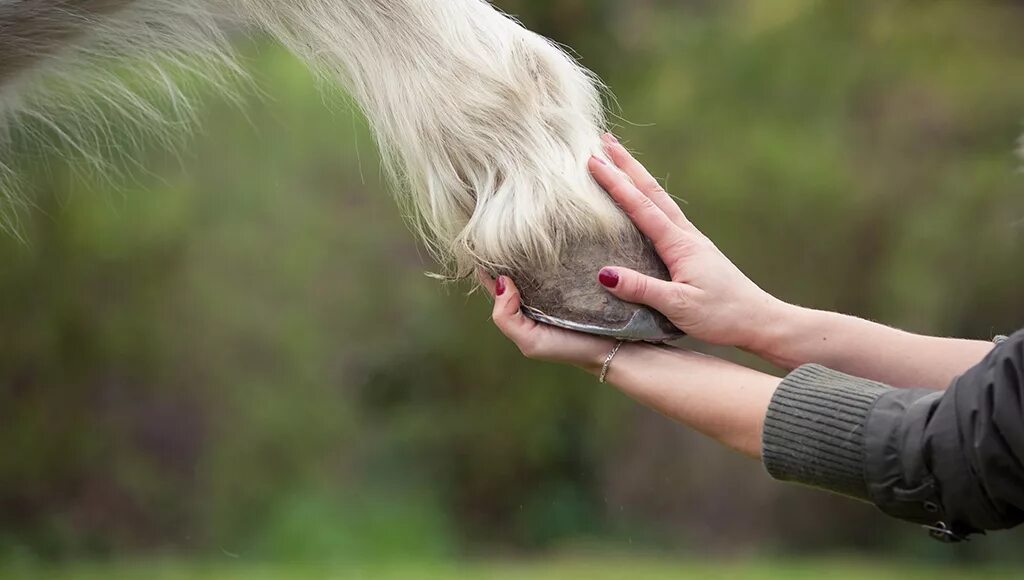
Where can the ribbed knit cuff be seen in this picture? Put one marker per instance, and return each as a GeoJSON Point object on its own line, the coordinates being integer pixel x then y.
{"type": "Point", "coordinates": [814, 429]}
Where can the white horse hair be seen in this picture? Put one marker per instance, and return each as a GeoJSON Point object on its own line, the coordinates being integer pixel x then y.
{"type": "Point", "coordinates": [484, 126]}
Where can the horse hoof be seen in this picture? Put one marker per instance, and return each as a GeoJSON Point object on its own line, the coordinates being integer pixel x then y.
{"type": "Point", "coordinates": [569, 295]}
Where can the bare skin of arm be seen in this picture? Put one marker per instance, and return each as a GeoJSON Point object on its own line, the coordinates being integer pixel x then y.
{"type": "Point", "coordinates": [724, 401]}
{"type": "Point", "coordinates": [865, 349]}
{"type": "Point", "coordinates": [710, 299]}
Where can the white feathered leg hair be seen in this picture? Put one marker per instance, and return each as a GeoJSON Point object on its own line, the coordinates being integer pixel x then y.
{"type": "Point", "coordinates": [485, 127]}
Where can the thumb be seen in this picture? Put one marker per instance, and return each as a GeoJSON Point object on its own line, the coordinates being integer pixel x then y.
{"type": "Point", "coordinates": [632, 286]}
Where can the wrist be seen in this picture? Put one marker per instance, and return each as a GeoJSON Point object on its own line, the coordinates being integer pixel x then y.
{"type": "Point", "coordinates": [594, 362]}
{"type": "Point", "coordinates": [621, 359]}
{"type": "Point", "coordinates": [773, 331]}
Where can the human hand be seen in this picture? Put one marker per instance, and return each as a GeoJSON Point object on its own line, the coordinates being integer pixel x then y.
{"type": "Point", "coordinates": [541, 341]}
{"type": "Point", "coordinates": [720, 399]}
{"type": "Point", "coordinates": [708, 297]}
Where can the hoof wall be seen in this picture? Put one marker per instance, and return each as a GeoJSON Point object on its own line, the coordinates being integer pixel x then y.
{"type": "Point", "coordinates": [643, 326]}
{"type": "Point", "coordinates": [569, 295]}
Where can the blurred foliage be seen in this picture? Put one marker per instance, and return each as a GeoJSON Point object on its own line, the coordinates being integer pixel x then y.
{"type": "Point", "coordinates": [235, 351]}
{"type": "Point", "coordinates": [592, 567]}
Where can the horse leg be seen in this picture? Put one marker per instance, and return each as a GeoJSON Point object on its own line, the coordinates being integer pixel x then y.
{"type": "Point", "coordinates": [487, 129]}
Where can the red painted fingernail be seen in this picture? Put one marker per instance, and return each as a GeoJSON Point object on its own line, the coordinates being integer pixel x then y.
{"type": "Point", "coordinates": [499, 286]}
{"type": "Point", "coordinates": [599, 160]}
{"type": "Point", "coordinates": [608, 278]}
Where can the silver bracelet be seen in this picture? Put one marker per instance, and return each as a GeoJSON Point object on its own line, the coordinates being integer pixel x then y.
{"type": "Point", "coordinates": [608, 361]}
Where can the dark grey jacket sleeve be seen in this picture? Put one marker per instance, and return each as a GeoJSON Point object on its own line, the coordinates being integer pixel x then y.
{"type": "Point", "coordinates": [952, 461]}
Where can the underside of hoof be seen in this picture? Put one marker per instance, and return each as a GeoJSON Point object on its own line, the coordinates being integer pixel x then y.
{"type": "Point", "coordinates": [569, 296]}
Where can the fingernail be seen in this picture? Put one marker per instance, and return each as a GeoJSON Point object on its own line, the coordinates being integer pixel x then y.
{"type": "Point", "coordinates": [611, 138]}
{"type": "Point", "coordinates": [499, 286]}
{"type": "Point", "coordinates": [599, 160]}
{"type": "Point", "coordinates": [608, 278]}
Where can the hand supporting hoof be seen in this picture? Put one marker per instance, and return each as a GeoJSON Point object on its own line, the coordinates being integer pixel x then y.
{"type": "Point", "coordinates": [570, 296]}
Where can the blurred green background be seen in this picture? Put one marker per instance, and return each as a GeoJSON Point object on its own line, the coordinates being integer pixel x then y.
{"type": "Point", "coordinates": [229, 363]}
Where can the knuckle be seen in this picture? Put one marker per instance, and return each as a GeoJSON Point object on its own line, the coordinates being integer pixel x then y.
{"type": "Point", "coordinates": [700, 240]}
{"type": "Point", "coordinates": [705, 245]}
{"type": "Point", "coordinates": [645, 204]}
{"type": "Point", "coordinates": [680, 296]}
{"type": "Point", "coordinates": [680, 246]}
{"type": "Point", "coordinates": [641, 288]}
{"type": "Point", "coordinates": [505, 323]}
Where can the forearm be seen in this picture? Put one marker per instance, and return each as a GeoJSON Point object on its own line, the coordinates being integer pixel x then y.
{"type": "Point", "coordinates": [943, 459]}
{"type": "Point", "coordinates": [722, 400]}
{"type": "Point", "coordinates": [858, 347]}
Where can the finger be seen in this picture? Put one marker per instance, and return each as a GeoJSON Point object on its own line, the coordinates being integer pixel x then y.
{"type": "Point", "coordinates": [632, 286]}
{"type": "Point", "coordinates": [506, 314]}
{"type": "Point", "coordinates": [666, 236]}
{"type": "Point", "coordinates": [645, 182]}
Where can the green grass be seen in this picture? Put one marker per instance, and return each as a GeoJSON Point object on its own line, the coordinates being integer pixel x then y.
{"type": "Point", "coordinates": [560, 569]}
